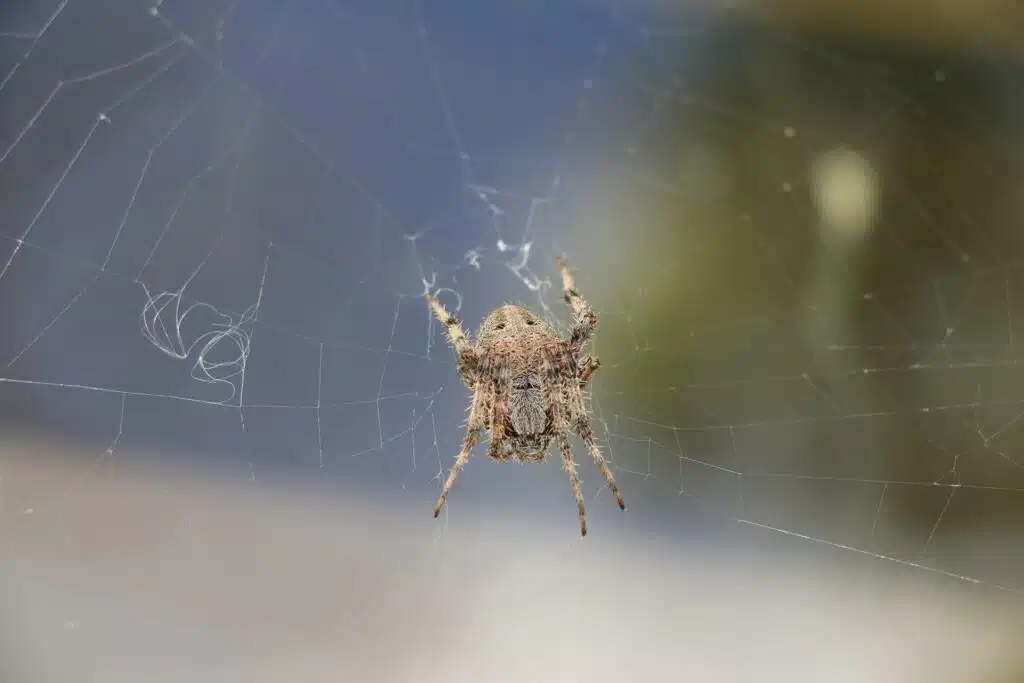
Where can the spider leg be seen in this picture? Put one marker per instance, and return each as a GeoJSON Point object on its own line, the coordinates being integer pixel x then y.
{"type": "Point", "coordinates": [585, 318]}
{"type": "Point", "coordinates": [588, 366]}
{"type": "Point", "coordinates": [467, 359]}
{"type": "Point", "coordinates": [581, 425]}
{"type": "Point", "coordinates": [494, 367]}
{"type": "Point", "coordinates": [587, 436]}
{"type": "Point", "coordinates": [495, 452]}
{"type": "Point", "coordinates": [499, 413]}
{"type": "Point", "coordinates": [477, 415]}
{"type": "Point", "coordinates": [560, 426]}
{"type": "Point", "coordinates": [553, 387]}
{"type": "Point", "coordinates": [574, 478]}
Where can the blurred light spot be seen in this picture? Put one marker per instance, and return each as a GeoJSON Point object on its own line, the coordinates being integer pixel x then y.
{"type": "Point", "coordinates": [789, 132]}
{"type": "Point", "coordinates": [846, 193]}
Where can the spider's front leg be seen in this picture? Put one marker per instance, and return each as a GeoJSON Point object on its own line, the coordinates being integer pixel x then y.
{"type": "Point", "coordinates": [466, 354]}
{"type": "Point", "coordinates": [585, 318]}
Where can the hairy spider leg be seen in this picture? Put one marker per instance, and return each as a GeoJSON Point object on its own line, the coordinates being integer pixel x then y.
{"type": "Point", "coordinates": [495, 450]}
{"type": "Point", "coordinates": [477, 422]}
{"type": "Point", "coordinates": [585, 318]}
{"type": "Point", "coordinates": [457, 337]}
{"type": "Point", "coordinates": [499, 411]}
{"type": "Point", "coordinates": [588, 366]}
{"type": "Point", "coordinates": [499, 414]}
{"type": "Point", "coordinates": [569, 465]}
{"type": "Point", "coordinates": [587, 436]}
{"type": "Point", "coordinates": [560, 426]}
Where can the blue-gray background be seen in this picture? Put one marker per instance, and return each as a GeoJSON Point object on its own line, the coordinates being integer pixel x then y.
{"type": "Point", "coordinates": [219, 219]}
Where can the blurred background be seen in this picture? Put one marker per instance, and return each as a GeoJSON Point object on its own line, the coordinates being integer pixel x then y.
{"type": "Point", "coordinates": [227, 412]}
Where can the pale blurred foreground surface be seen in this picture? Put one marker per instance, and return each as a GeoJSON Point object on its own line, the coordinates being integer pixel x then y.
{"type": "Point", "coordinates": [128, 574]}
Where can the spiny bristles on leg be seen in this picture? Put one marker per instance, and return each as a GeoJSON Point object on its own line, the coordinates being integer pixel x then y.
{"type": "Point", "coordinates": [450, 322]}
{"type": "Point", "coordinates": [568, 284]}
{"type": "Point", "coordinates": [437, 308]}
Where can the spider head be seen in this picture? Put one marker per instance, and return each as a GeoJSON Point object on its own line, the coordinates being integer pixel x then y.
{"type": "Point", "coordinates": [513, 322]}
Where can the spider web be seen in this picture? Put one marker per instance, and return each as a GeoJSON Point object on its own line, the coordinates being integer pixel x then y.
{"type": "Point", "coordinates": [220, 218]}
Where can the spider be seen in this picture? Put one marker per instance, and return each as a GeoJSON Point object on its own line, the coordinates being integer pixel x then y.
{"type": "Point", "coordinates": [527, 385]}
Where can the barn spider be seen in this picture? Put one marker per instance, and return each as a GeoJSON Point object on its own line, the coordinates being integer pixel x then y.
{"type": "Point", "coordinates": [527, 385]}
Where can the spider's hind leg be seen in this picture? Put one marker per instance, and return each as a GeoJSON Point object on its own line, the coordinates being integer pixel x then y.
{"type": "Point", "coordinates": [574, 478]}
{"type": "Point", "coordinates": [500, 450]}
{"type": "Point", "coordinates": [587, 436]}
{"type": "Point", "coordinates": [557, 410]}
{"type": "Point", "coordinates": [473, 432]}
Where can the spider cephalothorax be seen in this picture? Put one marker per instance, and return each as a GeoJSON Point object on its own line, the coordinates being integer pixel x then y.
{"type": "Point", "coordinates": [527, 385]}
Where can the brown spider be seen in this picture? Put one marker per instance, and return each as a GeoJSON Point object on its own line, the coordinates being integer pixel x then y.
{"type": "Point", "coordinates": [527, 385]}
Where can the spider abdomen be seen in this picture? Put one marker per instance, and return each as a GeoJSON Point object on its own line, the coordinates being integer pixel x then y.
{"type": "Point", "coordinates": [527, 409]}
